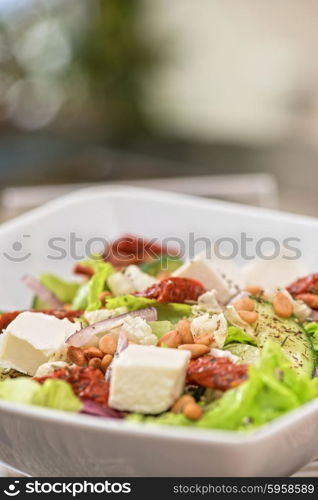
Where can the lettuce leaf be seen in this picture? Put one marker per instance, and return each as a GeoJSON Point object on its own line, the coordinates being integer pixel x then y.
{"type": "Point", "coordinates": [19, 390]}
{"type": "Point", "coordinates": [87, 294]}
{"type": "Point", "coordinates": [166, 312]}
{"type": "Point", "coordinates": [64, 290]}
{"type": "Point", "coordinates": [312, 330]}
{"type": "Point", "coordinates": [173, 312]}
{"type": "Point", "coordinates": [272, 389]}
{"type": "Point", "coordinates": [57, 394]}
{"type": "Point", "coordinates": [97, 284]}
{"type": "Point", "coordinates": [80, 300]}
{"type": "Point", "coordinates": [130, 301]}
{"type": "Point", "coordinates": [238, 336]}
{"type": "Point", "coordinates": [54, 393]}
{"type": "Point", "coordinates": [159, 328]}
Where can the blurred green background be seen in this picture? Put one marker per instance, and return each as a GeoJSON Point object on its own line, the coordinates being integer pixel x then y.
{"type": "Point", "coordinates": [114, 90]}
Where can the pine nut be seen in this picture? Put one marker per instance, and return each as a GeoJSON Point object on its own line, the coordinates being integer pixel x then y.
{"type": "Point", "coordinates": [171, 339]}
{"type": "Point", "coordinates": [95, 362]}
{"type": "Point", "coordinates": [248, 316]}
{"type": "Point", "coordinates": [75, 355]}
{"type": "Point", "coordinates": [254, 290]}
{"type": "Point", "coordinates": [283, 307]}
{"type": "Point", "coordinates": [181, 403]}
{"type": "Point", "coordinates": [103, 296]}
{"type": "Point", "coordinates": [244, 304]}
{"type": "Point", "coordinates": [205, 339]}
{"type": "Point", "coordinates": [192, 411]}
{"type": "Point", "coordinates": [92, 352]}
{"type": "Point", "coordinates": [184, 328]}
{"type": "Point", "coordinates": [107, 359]}
{"type": "Point", "coordinates": [108, 344]}
{"type": "Point", "coordinates": [196, 350]}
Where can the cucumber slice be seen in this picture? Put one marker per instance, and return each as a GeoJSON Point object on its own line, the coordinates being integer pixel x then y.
{"type": "Point", "coordinates": [288, 333]}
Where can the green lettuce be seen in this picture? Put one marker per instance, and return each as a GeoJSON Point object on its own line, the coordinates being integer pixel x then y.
{"type": "Point", "coordinates": [65, 291]}
{"type": "Point", "coordinates": [312, 330]}
{"type": "Point", "coordinates": [273, 388]}
{"type": "Point", "coordinates": [163, 263]}
{"type": "Point", "coordinates": [160, 328]}
{"type": "Point", "coordinates": [80, 300]}
{"type": "Point", "coordinates": [87, 296]}
{"type": "Point", "coordinates": [166, 312]}
{"type": "Point", "coordinates": [97, 284]}
{"type": "Point", "coordinates": [130, 301]}
{"type": "Point", "coordinates": [57, 394]}
{"type": "Point", "coordinates": [173, 312]}
{"type": "Point", "coordinates": [19, 390]}
{"type": "Point", "coordinates": [54, 393]}
{"type": "Point", "coordinates": [236, 335]}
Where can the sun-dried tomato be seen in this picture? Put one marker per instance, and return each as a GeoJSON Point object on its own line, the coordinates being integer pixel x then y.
{"type": "Point", "coordinates": [6, 318]}
{"type": "Point", "coordinates": [175, 290]}
{"type": "Point", "coordinates": [311, 299]}
{"type": "Point", "coordinates": [86, 382]}
{"type": "Point", "coordinates": [216, 373]}
{"type": "Point", "coordinates": [130, 249]}
{"type": "Point", "coordinates": [83, 270]}
{"type": "Point", "coordinates": [307, 284]}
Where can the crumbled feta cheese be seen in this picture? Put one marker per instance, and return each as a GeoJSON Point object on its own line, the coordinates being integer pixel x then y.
{"type": "Point", "coordinates": [215, 324]}
{"type": "Point", "coordinates": [131, 280]}
{"type": "Point", "coordinates": [139, 280]}
{"type": "Point", "coordinates": [235, 319]}
{"type": "Point", "coordinates": [218, 353]}
{"type": "Point", "coordinates": [207, 302]}
{"type": "Point", "coordinates": [147, 379]}
{"type": "Point", "coordinates": [138, 330]}
{"type": "Point", "coordinates": [102, 314]}
{"type": "Point", "coordinates": [32, 339]}
{"type": "Point", "coordinates": [48, 368]}
{"type": "Point", "coordinates": [120, 284]}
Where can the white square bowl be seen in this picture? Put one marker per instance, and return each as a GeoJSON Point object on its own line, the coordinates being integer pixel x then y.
{"type": "Point", "coordinates": [42, 442]}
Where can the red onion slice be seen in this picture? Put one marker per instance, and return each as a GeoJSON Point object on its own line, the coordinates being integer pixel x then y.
{"type": "Point", "coordinates": [42, 292]}
{"type": "Point", "coordinates": [122, 343]}
{"type": "Point", "coordinates": [92, 408]}
{"type": "Point", "coordinates": [84, 335]}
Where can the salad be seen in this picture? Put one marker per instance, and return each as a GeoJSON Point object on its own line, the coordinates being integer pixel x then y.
{"type": "Point", "coordinates": [143, 336]}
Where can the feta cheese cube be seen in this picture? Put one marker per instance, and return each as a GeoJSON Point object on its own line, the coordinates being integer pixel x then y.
{"type": "Point", "coordinates": [147, 379]}
{"type": "Point", "coordinates": [32, 339]}
{"type": "Point", "coordinates": [202, 269]}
